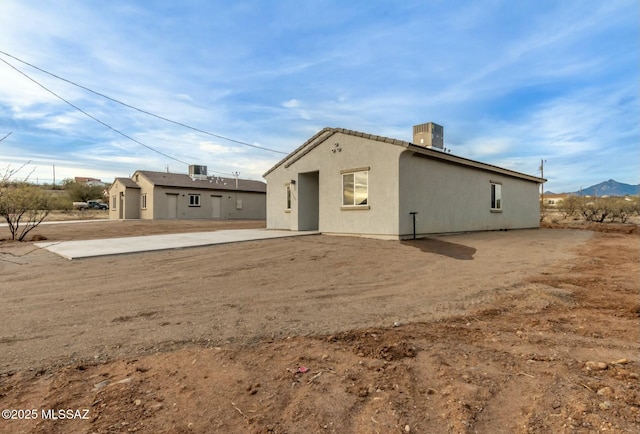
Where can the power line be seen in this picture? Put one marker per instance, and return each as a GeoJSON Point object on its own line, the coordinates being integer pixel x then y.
{"type": "Point", "coordinates": [93, 117]}
{"type": "Point", "coordinates": [7, 135]}
{"type": "Point", "coordinates": [144, 111]}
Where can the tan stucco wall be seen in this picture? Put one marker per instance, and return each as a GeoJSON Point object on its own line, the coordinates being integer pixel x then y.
{"type": "Point", "coordinates": [454, 198]}
{"type": "Point", "coordinates": [253, 204]}
{"type": "Point", "coordinates": [132, 203]}
{"type": "Point", "coordinates": [448, 197]}
{"type": "Point", "coordinates": [129, 208]}
{"type": "Point", "coordinates": [355, 152]}
{"type": "Point", "coordinates": [114, 191]}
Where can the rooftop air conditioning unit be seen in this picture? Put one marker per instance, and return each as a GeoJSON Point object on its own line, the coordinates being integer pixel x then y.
{"type": "Point", "coordinates": [429, 135]}
{"type": "Point", "coordinates": [198, 172]}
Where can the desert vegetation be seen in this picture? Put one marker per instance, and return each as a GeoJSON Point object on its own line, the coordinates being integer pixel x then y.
{"type": "Point", "coordinates": [24, 205]}
{"type": "Point", "coordinates": [594, 210]}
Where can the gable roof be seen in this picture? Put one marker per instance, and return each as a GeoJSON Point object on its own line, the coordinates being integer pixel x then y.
{"type": "Point", "coordinates": [179, 180]}
{"type": "Point", "coordinates": [127, 182]}
{"type": "Point", "coordinates": [326, 133]}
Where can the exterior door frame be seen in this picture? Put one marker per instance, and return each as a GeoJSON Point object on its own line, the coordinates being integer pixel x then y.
{"type": "Point", "coordinates": [216, 198]}
{"type": "Point", "coordinates": [172, 197]}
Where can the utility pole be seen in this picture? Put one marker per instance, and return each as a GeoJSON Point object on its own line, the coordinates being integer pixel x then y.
{"type": "Point", "coordinates": [542, 185]}
{"type": "Point", "coordinates": [54, 176]}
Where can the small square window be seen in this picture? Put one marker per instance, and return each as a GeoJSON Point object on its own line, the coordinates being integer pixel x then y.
{"type": "Point", "coordinates": [355, 188]}
{"type": "Point", "coordinates": [194, 200]}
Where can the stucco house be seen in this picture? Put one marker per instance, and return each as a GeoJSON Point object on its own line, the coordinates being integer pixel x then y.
{"type": "Point", "coordinates": [347, 182]}
{"type": "Point", "coordinates": [161, 195]}
{"type": "Point", "coordinates": [553, 200]}
{"type": "Point", "coordinates": [92, 182]}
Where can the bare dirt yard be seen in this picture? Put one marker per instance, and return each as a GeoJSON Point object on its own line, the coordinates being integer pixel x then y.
{"type": "Point", "coordinates": [533, 331]}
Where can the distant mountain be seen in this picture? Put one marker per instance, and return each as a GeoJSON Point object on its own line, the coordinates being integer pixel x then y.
{"type": "Point", "coordinates": [606, 188]}
{"type": "Point", "coordinates": [610, 188]}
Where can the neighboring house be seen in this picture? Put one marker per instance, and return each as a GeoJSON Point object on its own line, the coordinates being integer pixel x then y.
{"type": "Point", "coordinates": [347, 182]}
{"type": "Point", "coordinates": [554, 200]}
{"type": "Point", "coordinates": [160, 195]}
{"type": "Point", "coordinates": [92, 182]}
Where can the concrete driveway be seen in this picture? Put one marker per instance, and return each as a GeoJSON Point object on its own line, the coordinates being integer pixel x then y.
{"type": "Point", "coordinates": [147, 243]}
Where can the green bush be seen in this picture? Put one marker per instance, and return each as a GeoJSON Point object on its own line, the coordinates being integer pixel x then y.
{"type": "Point", "coordinates": [80, 192]}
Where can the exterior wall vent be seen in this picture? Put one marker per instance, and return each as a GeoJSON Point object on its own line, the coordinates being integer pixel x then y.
{"type": "Point", "coordinates": [429, 135]}
{"type": "Point", "coordinates": [198, 172]}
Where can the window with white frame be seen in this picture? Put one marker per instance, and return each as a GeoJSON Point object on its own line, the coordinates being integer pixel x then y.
{"type": "Point", "coordinates": [496, 196]}
{"type": "Point", "coordinates": [288, 208]}
{"type": "Point", "coordinates": [143, 201]}
{"type": "Point", "coordinates": [355, 188]}
{"type": "Point", "coordinates": [194, 200]}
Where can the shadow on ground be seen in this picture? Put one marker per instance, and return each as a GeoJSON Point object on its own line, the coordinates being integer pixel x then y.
{"type": "Point", "coordinates": [444, 248]}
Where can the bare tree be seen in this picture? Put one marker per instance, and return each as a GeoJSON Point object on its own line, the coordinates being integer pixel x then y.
{"type": "Point", "coordinates": [24, 206]}
{"type": "Point", "coordinates": [596, 210]}
{"type": "Point", "coordinates": [569, 206]}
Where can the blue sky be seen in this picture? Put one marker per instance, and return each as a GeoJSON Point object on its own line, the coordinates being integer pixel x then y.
{"type": "Point", "coordinates": [511, 82]}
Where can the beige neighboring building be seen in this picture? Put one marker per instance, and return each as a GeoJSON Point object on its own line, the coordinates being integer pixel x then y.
{"type": "Point", "coordinates": [92, 182]}
{"type": "Point", "coordinates": [159, 195]}
{"type": "Point", "coordinates": [347, 182]}
{"type": "Point", "coordinates": [554, 200]}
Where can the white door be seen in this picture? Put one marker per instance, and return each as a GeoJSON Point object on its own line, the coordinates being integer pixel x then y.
{"type": "Point", "coordinates": [216, 206]}
{"type": "Point", "coordinates": [172, 206]}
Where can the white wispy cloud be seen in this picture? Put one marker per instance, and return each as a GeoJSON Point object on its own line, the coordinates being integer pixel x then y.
{"type": "Point", "coordinates": [292, 103]}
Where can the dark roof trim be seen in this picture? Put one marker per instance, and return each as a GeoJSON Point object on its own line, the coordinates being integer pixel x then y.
{"type": "Point", "coordinates": [326, 133]}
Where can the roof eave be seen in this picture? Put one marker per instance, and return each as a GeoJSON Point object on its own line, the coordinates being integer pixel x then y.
{"type": "Point", "coordinates": [322, 135]}
{"type": "Point", "coordinates": [454, 159]}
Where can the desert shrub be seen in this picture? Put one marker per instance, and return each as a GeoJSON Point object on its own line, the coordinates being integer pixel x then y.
{"type": "Point", "coordinates": [594, 209]}
{"type": "Point", "coordinates": [80, 192]}
{"type": "Point", "coordinates": [23, 206]}
{"type": "Point", "coordinates": [621, 209]}
{"type": "Point", "coordinates": [635, 204]}
{"type": "Point", "coordinates": [62, 203]}
{"type": "Point", "coordinates": [569, 206]}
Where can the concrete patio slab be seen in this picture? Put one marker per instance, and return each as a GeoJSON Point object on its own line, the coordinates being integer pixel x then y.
{"type": "Point", "coordinates": [147, 243]}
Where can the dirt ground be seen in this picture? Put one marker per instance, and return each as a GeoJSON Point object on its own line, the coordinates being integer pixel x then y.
{"type": "Point", "coordinates": [497, 332]}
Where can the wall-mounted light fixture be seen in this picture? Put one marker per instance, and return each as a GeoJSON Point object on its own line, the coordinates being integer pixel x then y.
{"type": "Point", "coordinates": [293, 182]}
